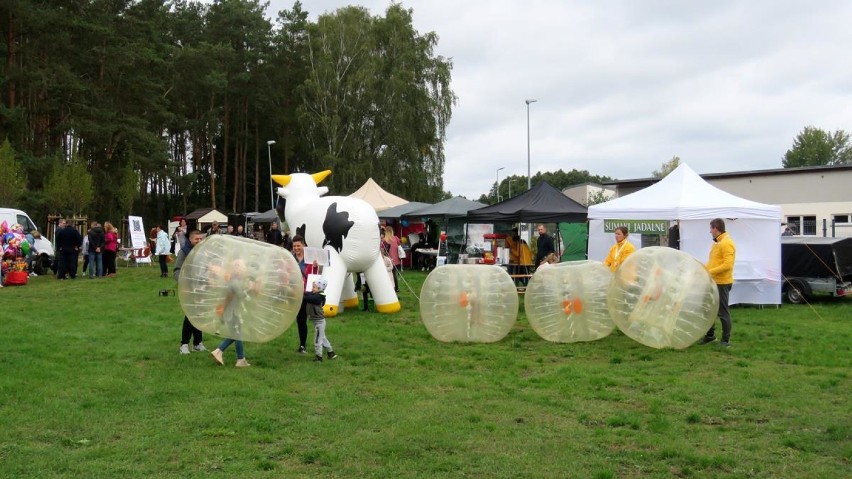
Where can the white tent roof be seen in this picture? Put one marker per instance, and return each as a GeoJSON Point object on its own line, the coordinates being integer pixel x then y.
{"type": "Point", "coordinates": [378, 198]}
{"type": "Point", "coordinates": [682, 195]}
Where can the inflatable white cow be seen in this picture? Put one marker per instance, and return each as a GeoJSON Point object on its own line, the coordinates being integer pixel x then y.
{"type": "Point", "coordinates": [348, 229]}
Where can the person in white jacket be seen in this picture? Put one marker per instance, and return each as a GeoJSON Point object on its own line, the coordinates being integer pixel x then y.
{"type": "Point", "coordinates": [162, 250]}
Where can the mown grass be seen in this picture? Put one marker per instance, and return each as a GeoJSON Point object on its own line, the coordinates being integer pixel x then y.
{"type": "Point", "coordinates": [91, 385]}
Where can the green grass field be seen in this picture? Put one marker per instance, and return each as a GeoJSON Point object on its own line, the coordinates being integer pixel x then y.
{"type": "Point", "coordinates": [92, 385]}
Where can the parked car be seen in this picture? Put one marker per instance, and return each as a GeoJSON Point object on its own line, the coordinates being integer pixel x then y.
{"type": "Point", "coordinates": [813, 266]}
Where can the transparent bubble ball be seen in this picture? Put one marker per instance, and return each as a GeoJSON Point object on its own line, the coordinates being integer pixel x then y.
{"type": "Point", "coordinates": [567, 302]}
{"type": "Point", "coordinates": [663, 298]}
{"type": "Point", "coordinates": [468, 303]}
{"type": "Point", "coordinates": [240, 288]}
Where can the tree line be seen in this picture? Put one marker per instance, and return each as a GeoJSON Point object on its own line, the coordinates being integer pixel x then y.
{"type": "Point", "coordinates": [160, 107]}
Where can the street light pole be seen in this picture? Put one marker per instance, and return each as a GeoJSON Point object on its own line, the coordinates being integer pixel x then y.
{"type": "Point", "coordinates": [529, 178]}
{"type": "Point", "coordinates": [271, 183]}
{"type": "Point", "coordinates": [497, 192]}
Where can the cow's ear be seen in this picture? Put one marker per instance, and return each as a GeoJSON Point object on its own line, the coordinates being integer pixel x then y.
{"type": "Point", "coordinates": [318, 177]}
{"type": "Point", "coordinates": [322, 190]}
{"type": "Point", "coordinates": [282, 180]}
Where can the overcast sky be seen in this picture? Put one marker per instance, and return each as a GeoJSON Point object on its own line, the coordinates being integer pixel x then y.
{"type": "Point", "coordinates": [622, 86]}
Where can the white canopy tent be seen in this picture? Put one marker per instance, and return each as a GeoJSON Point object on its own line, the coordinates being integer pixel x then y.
{"type": "Point", "coordinates": [685, 196]}
{"type": "Point", "coordinates": [378, 198]}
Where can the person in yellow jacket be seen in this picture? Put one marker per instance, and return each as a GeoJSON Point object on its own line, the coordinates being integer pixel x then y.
{"type": "Point", "coordinates": [620, 250]}
{"type": "Point", "coordinates": [520, 256]}
{"type": "Point", "coordinates": [721, 268]}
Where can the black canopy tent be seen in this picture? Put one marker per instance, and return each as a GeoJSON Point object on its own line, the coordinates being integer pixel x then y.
{"type": "Point", "coordinates": [269, 216]}
{"type": "Point", "coordinates": [541, 204]}
{"type": "Point", "coordinates": [397, 212]}
{"type": "Point", "coordinates": [450, 216]}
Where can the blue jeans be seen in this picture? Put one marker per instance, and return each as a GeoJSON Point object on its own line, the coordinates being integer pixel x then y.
{"type": "Point", "coordinates": [239, 345]}
{"type": "Point", "coordinates": [96, 259]}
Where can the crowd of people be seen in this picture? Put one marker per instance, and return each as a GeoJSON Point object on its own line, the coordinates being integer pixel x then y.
{"type": "Point", "coordinates": [98, 248]}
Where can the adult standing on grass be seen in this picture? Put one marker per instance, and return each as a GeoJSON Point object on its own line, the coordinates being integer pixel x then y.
{"type": "Point", "coordinates": [97, 241]}
{"type": "Point", "coordinates": [391, 243]}
{"type": "Point", "coordinates": [84, 251]}
{"type": "Point", "coordinates": [68, 244]}
{"type": "Point", "coordinates": [273, 236]}
{"type": "Point", "coordinates": [189, 331]}
{"type": "Point", "coordinates": [163, 251]}
{"type": "Point", "coordinates": [302, 316]}
{"type": "Point", "coordinates": [110, 248]}
{"type": "Point", "coordinates": [620, 250]}
{"type": "Point", "coordinates": [544, 245]}
{"type": "Point", "coordinates": [179, 236]}
{"type": "Point", "coordinates": [214, 229]}
{"type": "Point", "coordinates": [721, 269]}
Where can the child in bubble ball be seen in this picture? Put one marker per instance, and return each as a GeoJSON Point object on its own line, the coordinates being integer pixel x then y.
{"type": "Point", "coordinates": [314, 302]}
{"type": "Point", "coordinates": [239, 289]}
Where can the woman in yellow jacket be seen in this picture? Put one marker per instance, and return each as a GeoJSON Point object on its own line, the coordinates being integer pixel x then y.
{"type": "Point", "coordinates": [520, 256]}
{"type": "Point", "coordinates": [620, 250]}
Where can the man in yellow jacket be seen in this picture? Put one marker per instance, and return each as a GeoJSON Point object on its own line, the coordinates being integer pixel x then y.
{"type": "Point", "coordinates": [721, 269]}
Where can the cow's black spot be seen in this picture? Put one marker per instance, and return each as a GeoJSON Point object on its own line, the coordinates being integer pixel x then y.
{"type": "Point", "coordinates": [336, 227]}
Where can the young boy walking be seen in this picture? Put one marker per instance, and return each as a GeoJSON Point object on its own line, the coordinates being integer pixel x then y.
{"type": "Point", "coordinates": [314, 302]}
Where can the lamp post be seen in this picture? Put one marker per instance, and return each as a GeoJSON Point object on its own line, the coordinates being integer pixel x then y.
{"type": "Point", "coordinates": [269, 144]}
{"type": "Point", "coordinates": [529, 178]}
{"type": "Point", "coordinates": [497, 189]}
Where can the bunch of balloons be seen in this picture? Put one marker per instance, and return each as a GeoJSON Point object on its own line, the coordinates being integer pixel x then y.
{"type": "Point", "coordinates": [14, 241]}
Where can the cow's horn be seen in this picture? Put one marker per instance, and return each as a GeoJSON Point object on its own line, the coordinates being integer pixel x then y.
{"type": "Point", "coordinates": [282, 180]}
{"type": "Point", "coordinates": [318, 177]}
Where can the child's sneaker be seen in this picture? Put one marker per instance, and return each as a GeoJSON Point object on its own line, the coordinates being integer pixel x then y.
{"type": "Point", "coordinates": [217, 356]}
{"type": "Point", "coordinates": [301, 350]}
{"type": "Point", "coordinates": [199, 347]}
{"type": "Point", "coordinates": [332, 355]}
{"type": "Point", "coordinates": [242, 363]}
{"type": "Point", "coordinates": [317, 358]}
{"type": "Point", "coordinates": [184, 349]}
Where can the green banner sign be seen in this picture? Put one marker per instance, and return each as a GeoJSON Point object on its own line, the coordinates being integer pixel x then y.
{"type": "Point", "coordinates": [645, 227]}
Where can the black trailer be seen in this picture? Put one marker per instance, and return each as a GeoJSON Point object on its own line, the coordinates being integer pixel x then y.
{"type": "Point", "coordinates": [816, 265]}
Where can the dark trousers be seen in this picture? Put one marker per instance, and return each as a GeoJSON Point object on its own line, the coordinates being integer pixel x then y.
{"type": "Point", "coordinates": [302, 324]}
{"type": "Point", "coordinates": [365, 293]}
{"type": "Point", "coordinates": [517, 269]}
{"type": "Point", "coordinates": [190, 331]}
{"type": "Point", "coordinates": [67, 265]}
{"type": "Point", "coordinates": [724, 314]}
{"type": "Point", "coordinates": [164, 269]}
{"type": "Point", "coordinates": [109, 262]}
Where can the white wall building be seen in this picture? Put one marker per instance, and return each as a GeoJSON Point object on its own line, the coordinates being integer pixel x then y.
{"type": "Point", "coordinates": [582, 193]}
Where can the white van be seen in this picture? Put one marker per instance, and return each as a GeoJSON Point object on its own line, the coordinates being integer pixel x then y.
{"type": "Point", "coordinates": [12, 216]}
